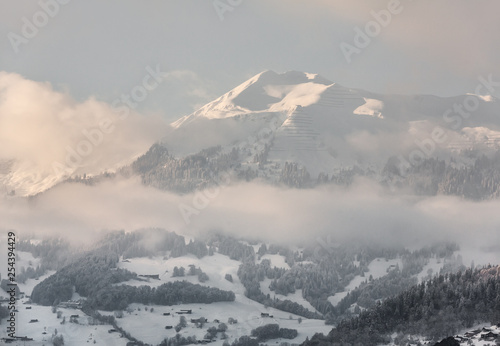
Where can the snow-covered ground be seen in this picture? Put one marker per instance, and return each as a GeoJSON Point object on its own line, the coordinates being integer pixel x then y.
{"type": "Point", "coordinates": [47, 323]}
{"type": "Point", "coordinates": [23, 260]}
{"type": "Point", "coordinates": [322, 125]}
{"type": "Point", "coordinates": [377, 268]}
{"type": "Point", "coordinates": [246, 311]}
{"type": "Point", "coordinates": [276, 261]}
{"type": "Point", "coordinates": [430, 269]}
{"type": "Point", "coordinates": [150, 326]}
{"type": "Point", "coordinates": [470, 337]}
{"type": "Point", "coordinates": [216, 267]}
{"type": "Point", "coordinates": [294, 297]}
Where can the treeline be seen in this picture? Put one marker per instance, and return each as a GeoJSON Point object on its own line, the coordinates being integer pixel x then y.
{"type": "Point", "coordinates": [151, 242]}
{"type": "Point", "coordinates": [434, 309]}
{"type": "Point", "coordinates": [478, 181]}
{"type": "Point", "coordinates": [432, 176]}
{"type": "Point", "coordinates": [250, 275]}
{"type": "Point", "coordinates": [159, 169]}
{"type": "Point", "coordinates": [232, 248]}
{"type": "Point", "coordinates": [88, 274]}
{"type": "Point", "coordinates": [207, 168]}
{"type": "Point", "coordinates": [273, 331]}
{"type": "Point", "coordinates": [96, 318]}
{"type": "Point", "coordinates": [54, 253]}
{"type": "Point", "coordinates": [397, 279]}
{"type": "Point", "coordinates": [294, 175]}
{"type": "Point", "coordinates": [327, 272]}
{"type": "Point", "coordinates": [94, 275]}
{"type": "Point", "coordinates": [118, 297]}
{"type": "Point", "coordinates": [332, 269]}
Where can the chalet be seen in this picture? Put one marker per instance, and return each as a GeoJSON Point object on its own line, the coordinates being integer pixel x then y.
{"type": "Point", "coordinates": [74, 316]}
{"type": "Point", "coordinates": [187, 312]}
{"type": "Point", "coordinates": [472, 333]}
{"type": "Point", "coordinates": [24, 338]}
{"type": "Point", "coordinates": [265, 314]}
{"type": "Point", "coordinates": [490, 336]}
{"type": "Point", "coordinates": [199, 320]}
{"type": "Point", "coordinates": [28, 308]}
{"type": "Point", "coordinates": [33, 321]}
{"type": "Point", "coordinates": [71, 304]}
{"type": "Point", "coordinates": [166, 314]}
{"type": "Point", "coordinates": [151, 276]}
{"type": "Point", "coordinates": [169, 327]}
{"type": "Point", "coordinates": [112, 331]}
{"type": "Point", "coordinates": [216, 321]}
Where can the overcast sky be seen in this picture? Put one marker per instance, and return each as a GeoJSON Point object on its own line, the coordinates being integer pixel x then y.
{"type": "Point", "coordinates": [102, 48]}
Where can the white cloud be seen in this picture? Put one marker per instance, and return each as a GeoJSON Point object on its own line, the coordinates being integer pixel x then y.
{"type": "Point", "coordinates": [40, 128]}
{"type": "Point", "coordinates": [363, 213]}
{"type": "Point", "coordinates": [191, 84]}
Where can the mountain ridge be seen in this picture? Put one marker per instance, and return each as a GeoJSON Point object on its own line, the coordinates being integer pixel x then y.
{"type": "Point", "coordinates": [274, 119]}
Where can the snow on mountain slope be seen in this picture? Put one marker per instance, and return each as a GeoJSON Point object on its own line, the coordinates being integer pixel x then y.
{"type": "Point", "coordinates": [323, 126]}
{"type": "Point", "coordinates": [272, 118]}
{"type": "Point", "coordinates": [257, 94]}
{"type": "Point", "coordinates": [150, 326]}
{"type": "Point", "coordinates": [376, 269]}
{"type": "Point", "coordinates": [81, 333]}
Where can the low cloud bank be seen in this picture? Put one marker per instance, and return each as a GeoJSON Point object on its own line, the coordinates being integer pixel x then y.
{"type": "Point", "coordinates": [364, 213]}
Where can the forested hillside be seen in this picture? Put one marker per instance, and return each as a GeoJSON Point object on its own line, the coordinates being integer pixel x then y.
{"type": "Point", "coordinates": [479, 179]}
{"type": "Point", "coordinates": [433, 309]}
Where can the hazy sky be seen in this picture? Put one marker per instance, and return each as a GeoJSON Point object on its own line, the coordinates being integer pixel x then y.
{"type": "Point", "coordinates": [102, 48]}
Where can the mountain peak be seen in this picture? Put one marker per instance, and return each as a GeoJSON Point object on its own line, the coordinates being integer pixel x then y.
{"type": "Point", "coordinates": [266, 91]}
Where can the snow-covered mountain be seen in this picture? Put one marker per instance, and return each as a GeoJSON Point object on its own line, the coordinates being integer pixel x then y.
{"type": "Point", "coordinates": [318, 126]}
{"type": "Point", "coordinates": [306, 119]}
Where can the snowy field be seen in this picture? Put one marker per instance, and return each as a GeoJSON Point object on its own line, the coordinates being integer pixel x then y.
{"type": "Point", "coordinates": [144, 325]}
{"type": "Point", "coordinates": [47, 323]}
{"type": "Point", "coordinates": [377, 268]}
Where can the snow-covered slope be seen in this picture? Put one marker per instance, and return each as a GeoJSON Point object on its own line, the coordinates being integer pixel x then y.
{"type": "Point", "coordinates": [323, 126]}
{"type": "Point", "coordinates": [306, 119]}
